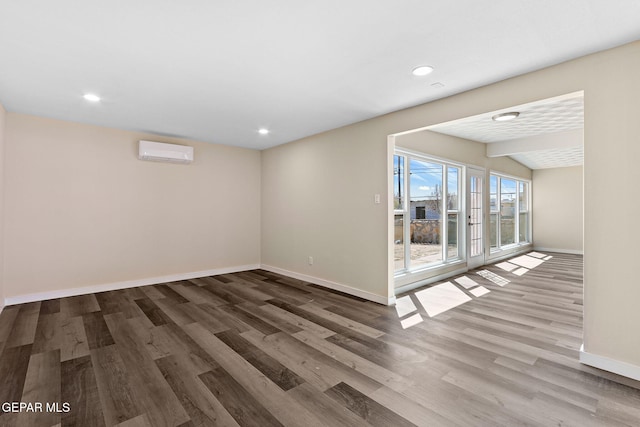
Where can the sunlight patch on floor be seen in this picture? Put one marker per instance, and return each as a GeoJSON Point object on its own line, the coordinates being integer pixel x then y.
{"type": "Point", "coordinates": [526, 261]}
{"type": "Point", "coordinates": [507, 266]}
{"type": "Point", "coordinates": [441, 298]}
{"type": "Point", "coordinates": [536, 254]}
{"type": "Point", "coordinates": [405, 306]}
{"type": "Point", "coordinates": [411, 321]}
{"type": "Point", "coordinates": [522, 264]}
{"type": "Point", "coordinates": [520, 271]}
{"type": "Point", "coordinates": [466, 282]}
{"type": "Point", "coordinates": [479, 291]}
{"type": "Point", "coordinates": [493, 277]}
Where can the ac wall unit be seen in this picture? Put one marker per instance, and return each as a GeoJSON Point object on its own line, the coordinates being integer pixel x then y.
{"type": "Point", "coordinates": [161, 152]}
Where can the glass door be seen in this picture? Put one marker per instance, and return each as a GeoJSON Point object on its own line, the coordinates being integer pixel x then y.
{"type": "Point", "coordinates": [475, 215]}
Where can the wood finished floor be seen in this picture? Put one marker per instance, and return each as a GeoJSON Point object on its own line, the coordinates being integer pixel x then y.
{"type": "Point", "coordinates": [259, 349]}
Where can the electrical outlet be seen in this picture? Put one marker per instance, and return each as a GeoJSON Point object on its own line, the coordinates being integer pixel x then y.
{"type": "Point", "coordinates": [310, 260]}
{"type": "Point", "coordinates": [376, 199]}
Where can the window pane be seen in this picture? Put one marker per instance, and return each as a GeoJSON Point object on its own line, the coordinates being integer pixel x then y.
{"type": "Point", "coordinates": [453, 201]}
{"type": "Point", "coordinates": [507, 211]}
{"type": "Point", "coordinates": [398, 182]}
{"type": "Point", "coordinates": [523, 232]}
{"type": "Point", "coordinates": [398, 238]}
{"type": "Point", "coordinates": [524, 196]}
{"type": "Point", "coordinates": [493, 229]}
{"type": "Point", "coordinates": [452, 236]}
{"type": "Point", "coordinates": [426, 188]}
{"type": "Point", "coordinates": [493, 193]}
{"type": "Point", "coordinates": [426, 245]}
{"type": "Point", "coordinates": [507, 231]}
{"type": "Point", "coordinates": [426, 205]}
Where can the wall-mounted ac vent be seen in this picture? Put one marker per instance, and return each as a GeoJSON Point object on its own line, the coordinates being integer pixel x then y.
{"type": "Point", "coordinates": [161, 152]}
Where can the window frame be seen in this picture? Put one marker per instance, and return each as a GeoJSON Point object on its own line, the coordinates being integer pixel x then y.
{"type": "Point", "coordinates": [405, 210]}
{"type": "Point", "coordinates": [497, 210]}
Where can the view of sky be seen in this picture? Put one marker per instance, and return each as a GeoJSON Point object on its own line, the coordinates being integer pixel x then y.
{"type": "Point", "coordinates": [426, 179]}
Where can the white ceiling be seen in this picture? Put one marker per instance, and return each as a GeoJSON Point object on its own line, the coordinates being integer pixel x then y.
{"type": "Point", "coordinates": [547, 116]}
{"type": "Point", "coordinates": [551, 158]}
{"type": "Point", "coordinates": [217, 70]}
{"type": "Point", "coordinates": [547, 133]}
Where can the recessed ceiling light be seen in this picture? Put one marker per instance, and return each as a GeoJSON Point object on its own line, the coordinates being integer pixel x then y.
{"type": "Point", "coordinates": [503, 117]}
{"type": "Point", "coordinates": [91, 97]}
{"type": "Point", "coordinates": [422, 70]}
{"type": "Point", "coordinates": [263, 131]}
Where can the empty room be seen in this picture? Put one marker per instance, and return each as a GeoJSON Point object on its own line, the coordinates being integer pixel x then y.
{"type": "Point", "coordinates": [319, 213]}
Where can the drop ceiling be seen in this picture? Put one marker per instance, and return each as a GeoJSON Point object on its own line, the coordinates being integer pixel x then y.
{"type": "Point", "coordinates": [217, 71]}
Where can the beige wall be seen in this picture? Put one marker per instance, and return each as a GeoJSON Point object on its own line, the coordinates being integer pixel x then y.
{"type": "Point", "coordinates": [82, 210]}
{"type": "Point", "coordinates": [319, 201]}
{"type": "Point", "coordinates": [2, 132]}
{"type": "Point", "coordinates": [557, 209]}
{"type": "Point", "coordinates": [461, 150]}
{"type": "Point", "coordinates": [323, 187]}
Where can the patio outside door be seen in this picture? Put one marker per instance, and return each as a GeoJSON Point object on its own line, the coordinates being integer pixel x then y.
{"type": "Point", "coordinates": [475, 215]}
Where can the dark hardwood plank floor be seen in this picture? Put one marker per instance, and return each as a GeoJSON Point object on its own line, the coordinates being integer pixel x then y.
{"type": "Point", "coordinates": [257, 348]}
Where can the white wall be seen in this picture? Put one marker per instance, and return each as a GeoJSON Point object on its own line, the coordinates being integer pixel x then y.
{"type": "Point", "coordinates": [81, 210]}
{"type": "Point", "coordinates": [557, 209]}
{"type": "Point", "coordinates": [323, 187]}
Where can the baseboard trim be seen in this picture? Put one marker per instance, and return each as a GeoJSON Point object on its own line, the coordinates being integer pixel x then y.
{"type": "Point", "coordinates": [414, 285]}
{"type": "Point", "coordinates": [332, 285]}
{"type": "Point", "coordinates": [509, 253]}
{"type": "Point", "coordinates": [560, 251]}
{"type": "Point", "coordinates": [606, 364]}
{"type": "Point", "coordinates": [63, 293]}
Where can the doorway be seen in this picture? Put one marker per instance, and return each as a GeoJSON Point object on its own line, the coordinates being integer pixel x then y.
{"type": "Point", "coordinates": [475, 217]}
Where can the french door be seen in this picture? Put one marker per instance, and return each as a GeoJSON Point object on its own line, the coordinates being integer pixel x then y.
{"type": "Point", "coordinates": [475, 217]}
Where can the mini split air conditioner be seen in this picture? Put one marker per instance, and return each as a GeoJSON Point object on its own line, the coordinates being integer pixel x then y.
{"type": "Point", "coordinates": [161, 152]}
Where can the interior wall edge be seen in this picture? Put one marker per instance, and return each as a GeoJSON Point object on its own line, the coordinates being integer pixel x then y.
{"type": "Point", "coordinates": [63, 293]}
{"type": "Point", "coordinates": [3, 115]}
{"type": "Point", "coordinates": [610, 365]}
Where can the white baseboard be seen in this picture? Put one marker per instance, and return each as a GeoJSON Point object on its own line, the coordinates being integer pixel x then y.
{"type": "Point", "coordinates": [414, 285]}
{"type": "Point", "coordinates": [63, 293]}
{"type": "Point", "coordinates": [560, 251]}
{"type": "Point", "coordinates": [606, 364]}
{"type": "Point", "coordinates": [332, 285]}
{"type": "Point", "coordinates": [509, 253]}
